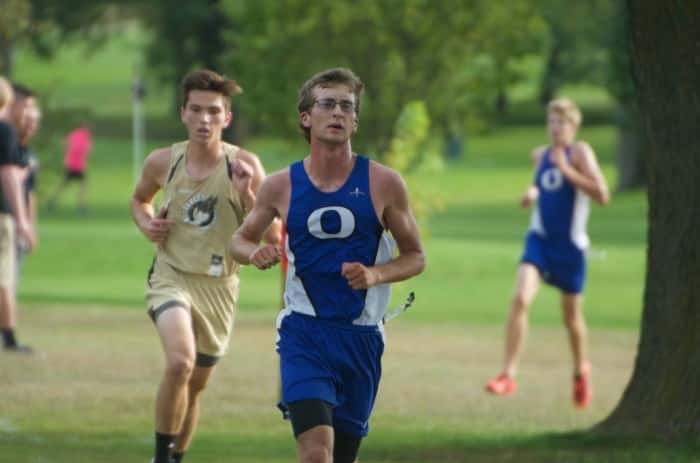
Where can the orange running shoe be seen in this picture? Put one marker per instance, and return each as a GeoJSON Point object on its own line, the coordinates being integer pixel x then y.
{"type": "Point", "coordinates": [501, 385]}
{"type": "Point", "coordinates": [583, 391]}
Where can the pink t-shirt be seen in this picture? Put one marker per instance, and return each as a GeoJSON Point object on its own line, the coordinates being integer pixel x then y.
{"type": "Point", "coordinates": [78, 145]}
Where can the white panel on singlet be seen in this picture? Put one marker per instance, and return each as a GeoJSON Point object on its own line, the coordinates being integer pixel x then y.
{"type": "Point", "coordinates": [377, 298]}
{"type": "Point", "coordinates": [579, 221]}
{"type": "Point", "coordinates": [295, 297]}
{"type": "Point", "coordinates": [536, 221]}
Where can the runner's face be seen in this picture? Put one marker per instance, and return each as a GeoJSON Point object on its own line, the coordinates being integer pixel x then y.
{"type": "Point", "coordinates": [332, 118]}
{"type": "Point", "coordinates": [561, 130]}
{"type": "Point", "coordinates": [205, 115]}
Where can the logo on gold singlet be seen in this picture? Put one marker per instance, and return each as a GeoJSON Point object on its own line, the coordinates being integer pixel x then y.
{"type": "Point", "coordinates": [200, 210]}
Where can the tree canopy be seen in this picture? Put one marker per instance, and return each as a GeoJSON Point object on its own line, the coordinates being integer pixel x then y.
{"type": "Point", "coordinates": [453, 55]}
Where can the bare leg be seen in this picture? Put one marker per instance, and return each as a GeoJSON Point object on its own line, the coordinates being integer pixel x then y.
{"type": "Point", "coordinates": [82, 196]}
{"type": "Point", "coordinates": [198, 381]}
{"type": "Point", "coordinates": [175, 330]}
{"type": "Point", "coordinates": [316, 445]}
{"type": "Point", "coordinates": [572, 313]}
{"type": "Point", "coordinates": [8, 284]}
{"type": "Point", "coordinates": [7, 308]}
{"type": "Point", "coordinates": [53, 201]}
{"type": "Point", "coordinates": [526, 287]}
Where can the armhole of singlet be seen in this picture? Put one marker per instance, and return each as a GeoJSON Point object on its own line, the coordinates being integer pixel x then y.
{"type": "Point", "coordinates": [230, 155]}
{"type": "Point", "coordinates": [229, 167]}
{"type": "Point", "coordinates": [173, 168]}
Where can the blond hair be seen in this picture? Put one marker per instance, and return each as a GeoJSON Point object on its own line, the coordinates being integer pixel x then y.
{"type": "Point", "coordinates": [566, 108]}
{"type": "Point", "coordinates": [6, 93]}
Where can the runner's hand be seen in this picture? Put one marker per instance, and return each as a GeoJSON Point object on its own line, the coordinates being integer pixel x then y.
{"type": "Point", "coordinates": [265, 257]}
{"type": "Point", "coordinates": [359, 276]}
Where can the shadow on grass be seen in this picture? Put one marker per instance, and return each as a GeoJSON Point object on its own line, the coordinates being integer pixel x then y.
{"type": "Point", "coordinates": [583, 446]}
{"type": "Point", "coordinates": [567, 447]}
{"type": "Point", "coordinates": [71, 447]}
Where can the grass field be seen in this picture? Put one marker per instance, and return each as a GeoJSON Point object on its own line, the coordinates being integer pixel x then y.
{"type": "Point", "coordinates": [89, 396]}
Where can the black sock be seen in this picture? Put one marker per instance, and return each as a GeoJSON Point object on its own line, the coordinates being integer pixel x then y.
{"type": "Point", "coordinates": [178, 456]}
{"type": "Point", "coordinates": [164, 445]}
{"type": "Point", "coordinates": [8, 337]}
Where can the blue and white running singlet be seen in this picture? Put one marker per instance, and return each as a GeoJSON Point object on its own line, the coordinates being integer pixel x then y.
{"type": "Point", "coordinates": [557, 238]}
{"type": "Point", "coordinates": [561, 212]}
{"type": "Point", "coordinates": [324, 230]}
{"type": "Point", "coordinates": [330, 339]}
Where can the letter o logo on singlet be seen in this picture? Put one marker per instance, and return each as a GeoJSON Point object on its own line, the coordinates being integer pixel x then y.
{"type": "Point", "coordinates": [552, 179]}
{"type": "Point", "coordinates": [341, 220]}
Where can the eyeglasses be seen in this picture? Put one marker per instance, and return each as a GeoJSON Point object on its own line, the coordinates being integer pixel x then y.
{"type": "Point", "coordinates": [328, 104]}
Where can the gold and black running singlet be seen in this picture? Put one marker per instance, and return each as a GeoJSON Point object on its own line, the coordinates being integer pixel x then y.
{"type": "Point", "coordinates": [206, 214]}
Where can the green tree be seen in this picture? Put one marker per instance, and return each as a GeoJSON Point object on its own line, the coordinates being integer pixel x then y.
{"type": "Point", "coordinates": [14, 21]}
{"type": "Point", "coordinates": [44, 25]}
{"type": "Point", "coordinates": [453, 55]}
{"type": "Point", "coordinates": [183, 37]}
{"type": "Point", "coordinates": [411, 153]}
{"type": "Point", "coordinates": [578, 42]}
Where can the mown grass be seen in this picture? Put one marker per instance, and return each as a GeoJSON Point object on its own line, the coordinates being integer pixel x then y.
{"type": "Point", "coordinates": [89, 396]}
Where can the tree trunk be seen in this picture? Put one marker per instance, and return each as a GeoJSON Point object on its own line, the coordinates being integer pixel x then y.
{"type": "Point", "coordinates": [501, 102]}
{"type": "Point", "coordinates": [176, 101]}
{"type": "Point", "coordinates": [632, 148]}
{"type": "Point", "coordinates": [551, 79]}
{"type": "Point", "coordinates": [8, 58]}
{"type": "Point", "coordinates": [237, 132]}
{"type": "Point", "coordinates": [663, 395]}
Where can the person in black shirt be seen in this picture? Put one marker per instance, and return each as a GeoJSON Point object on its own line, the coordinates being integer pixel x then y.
{"type": "Point", "coordinates": [27, 126]}
{"type": "Point", "coordinates": [14, 225]}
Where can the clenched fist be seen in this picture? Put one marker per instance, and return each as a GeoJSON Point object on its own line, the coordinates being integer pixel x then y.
{"type": "Point", "coordinates": [265, 257]}
{"type": "Point", "coordinates": [359, 276]}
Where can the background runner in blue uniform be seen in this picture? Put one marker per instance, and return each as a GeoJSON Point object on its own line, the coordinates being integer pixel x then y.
{"type": "Point", "coordinates": [337, 207]}
{"type": "Point", "coordinates": [566, 175]}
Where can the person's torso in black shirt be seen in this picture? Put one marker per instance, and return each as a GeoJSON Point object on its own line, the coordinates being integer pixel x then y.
{"type": "Point", "coordinates": [9, 155]}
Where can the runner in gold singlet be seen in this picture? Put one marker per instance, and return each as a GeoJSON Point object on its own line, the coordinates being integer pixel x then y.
{"type": "Point", "coordinates": [208, 187]}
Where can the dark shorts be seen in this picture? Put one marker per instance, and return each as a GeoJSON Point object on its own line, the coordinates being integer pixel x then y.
{"type": "Point", "coordinates": [560, 262]}
{"type": "Point", "coordinates": [338, 364]}
{"type": "Point", "coordinates": [74, 175]}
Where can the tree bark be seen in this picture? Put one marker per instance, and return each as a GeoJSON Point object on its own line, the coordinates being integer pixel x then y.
{"type": "Point", "coordinates": [8, 58]}
{"type": "Point", "coordinates": [663, 395]}
{"type": "Point", "coordinates": [551, 79]}
{"type": "Point", "coordinates": [632, 144]}
{"type": "Point", "coordinates": [632, 148]}
{"type": "Point", "coordinates": [501, 102]}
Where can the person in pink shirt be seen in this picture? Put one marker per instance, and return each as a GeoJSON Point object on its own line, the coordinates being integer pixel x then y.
{"type": "Point", "coordinates": [78, 148]}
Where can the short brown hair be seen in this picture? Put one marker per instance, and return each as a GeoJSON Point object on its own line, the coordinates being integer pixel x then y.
{"type": "Point", "coordinates": [205, 79]}
{"type": "Point", "coordinates": [6, 93]}
{"type": "Point", "coordinates": [22, 92]}
{"type": "Point", "coordinates": [328, 78]}
{"type": "Point", "coordinates": [567, 108]}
